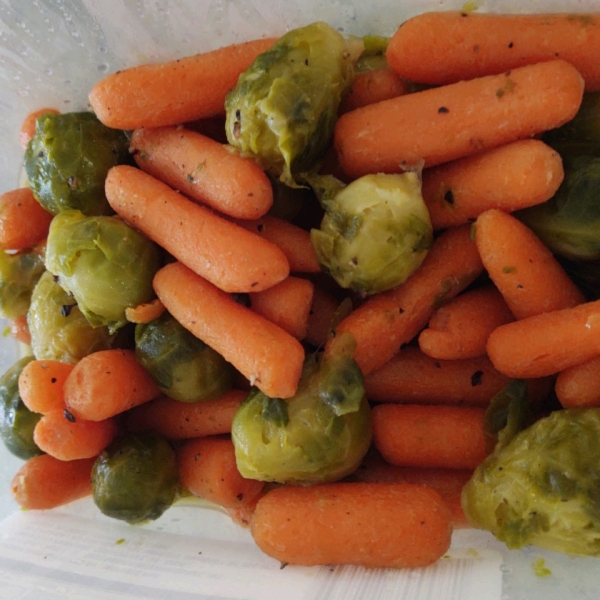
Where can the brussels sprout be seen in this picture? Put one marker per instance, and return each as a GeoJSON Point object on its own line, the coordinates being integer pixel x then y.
{"type": "Point", "coordinates": [543, 487]}
{"type": "Point", "coordinates": [283, 110]}
{"type": "Point", "coordinates": [376, 231]}
{"type": "Point", "coordinates": [104, 263]}
{"type": "Point", "coordinates": [58, 329]}
{"type": "Point", "coordinates": [67, 161]}
{"type": "Point", "coordinates": [135, 479]}
{"type": "Point", "coordinates": [569, 223]}
{"type": "Point", "coordinates": [18, 275]}
{"type": "Point", "coordinates": [183, 366]}
{"type": "Point", "coordinates": [373, 56]}
{"type": "Point", "coordinates": [321, 434]}
{"type": "Point", "coordinates": [288, 201]}
{"type": "Point", "coordinates": [17, 422]}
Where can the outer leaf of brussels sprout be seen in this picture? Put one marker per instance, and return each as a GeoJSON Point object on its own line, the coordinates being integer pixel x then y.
{"type": "Point", "coordinates": [67, 161]}
{"type": "Point", "coordinates": [58, 329]}
{"type": "Point", "coordinates": [183, 366]}
{"type": "Point", "coordinates": [373, 56]}
{"type": "Point", "coordinates": [104, 263]}
{"type": "Point", "coordinates": [135, 478]}
{"type": "Point", "coordinates": [543, 488]}
{"type": "Point", "coordinates": [376, 232]}
{"type": "Point", "coordinates": [18, 275]}
{"type": "Point", "coordinates": [283, 110]}
{"type": "Point", "coordinates": [17, 422]}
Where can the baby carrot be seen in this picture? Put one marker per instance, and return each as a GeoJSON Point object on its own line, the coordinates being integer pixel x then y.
{"type": "Point", "coordinates": [286, 304]}
{"type": "Point", "coordinates": [444, 47]}
{"type": "Point", "coordinates": [460, 329]}
{"type": "Point", "coordinates": [183, 420]}
{"type": "Point", "coordinates": [173, 92]}
{"type": "Point", "coordinates": [19, 329]}
{"type": "Point", "coordinates": [41, 384]}
{"type": "Point", "coordinates": [242, 515]}
{"type": "Point", "coordinates": [412, 377]}
{"type": "Point", "coordinates": [207, 469]}
{"type": "Point", "coordinates": [368, 524]}
{"type": "Point", "coordinates": [371, 87]}
{"type": "Point", "coordinates": [45, 482]}
{"type": "Point", "coordinates": [528, 276]}
{"type": "Point", "coordinates": [442, 124]}
{"type": "Point", "coordinates": [579, 385]}
{"type": "Point", "coordinates": [266, 355]}
{"type": "Point", "coordinates": [386, 321]}
{"type": "Point", "coordinates": [203, 170]}
{"type": "Point", "coordinates": [447, 437]}
{"type": "Point", "coordinates": [29, 124]}
{"type": "Point", "coordinates": [510, 177]}
{"type": "Point", "coordinates": [146, 312]}
{"type": "Point", "coordinates": [107, 383]}
{"type": "Point", "coordinates": [546, 343]}
{"type": "Point", "coordinates": [65, 437]}
{"type": "Point", "coordinates": [23, 222]}
{"type": "Point", "coordinates": [320, 317]}
{"type": "Point", "coordinates": [228, 256]}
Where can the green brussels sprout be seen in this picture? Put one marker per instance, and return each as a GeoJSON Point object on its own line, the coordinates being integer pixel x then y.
{"type": "Point", "coordinates": [104, 263]}
{"type": "Point", "coordinates": [569, 223]}
{"type": "Point", "coordinates": [373, 56]}
{"type": "Point", "coordinates": [288, 201]}
{"type": "Point", "coordinates": [321, 434]}
{"type": "Point", "coordinates": [376, 231]}
{"type": "Point", "coordinates": [135, 478]}
{"type": "Point", "coordinates": [283, 109]}
{"type": "Point", "coordinates": [18, 275]}
{"type": "Point", "coordinates": [58, 329]}
{"type": "Point", "coordinates": [183, 366]}
{"type": "Point", "coordinates": [17, 422]}
{"type": "Point", "coordinates": [543, 487]}
{"type": "Point", "coordinates": [68, 158]}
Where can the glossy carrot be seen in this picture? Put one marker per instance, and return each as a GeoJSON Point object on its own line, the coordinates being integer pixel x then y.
{"type": "Point", "coordinates": [320, 317]}
{"type": "Point", "coordinates": [19, 329]}
{"type": "Point", "coordinates": [146, 312]}
{"type": "Point", "coordinates": [579, 385]}
{"type": "Point", "coordinates": [41, 384]}
{"type": "Point", "coordinates": [371, 87]}
{"type": "Point", "coordinates": [23, 222]}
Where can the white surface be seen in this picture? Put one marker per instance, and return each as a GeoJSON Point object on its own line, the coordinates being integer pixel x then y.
{"type": "Point", "coordinates": [51, 52]}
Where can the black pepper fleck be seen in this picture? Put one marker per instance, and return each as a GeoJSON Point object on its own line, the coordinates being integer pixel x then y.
{"type": "Point", "coordinates": [449, 197]}
{"type": "Point", "coordinates": [476, 378]}
{"type": "Point", "coordinates": [443, 110]}
{"type": "Point", "coordinates": [69, 416]}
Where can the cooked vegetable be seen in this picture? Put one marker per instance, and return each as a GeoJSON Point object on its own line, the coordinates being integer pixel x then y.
{"type": "Point", "coordinates": [17, 422]}
{"type": "Point", "coordinates": [183, 366]}
{"type": "Point", "coordinates": [284, 107]}
{"type": "Point", "coordinates": [67, 160]}
{"type": "Point", "coordinates": [28, 126]}
{"type": "Point", "coordinates": [543, 487]}
{"type": "Point", "coordinates": [135, 478]}
{"type": "Point", "coordinates": [104, 263]}
{"type": "Point", "coordinates": [579, 386]}
{"type": "Point", "coordinates": [19, 274]}
{"type": "Point", "coordinates": [372, 57]}
{"type": "Point", "coordinates": [375, 233]}
{"type": "Point", "coordinates": [320, 434]}
{"type": "Point", "coordinates": [59, 331]}
{"type": "Point", "coordinates": [41, 384]}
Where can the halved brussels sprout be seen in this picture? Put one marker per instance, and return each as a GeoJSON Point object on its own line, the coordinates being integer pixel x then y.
{"type": "Point", "coordinates": [283, 109]}
{"type": "Point", "coordinates": [183, 366]}
{"type": "Point", "coordinates": [104, 263]}
{"type": "Point", "coordinates": [67, 161]}
{"type": "Point", "coordinates": [376, 231]}
{"type": "Point", "coordinates": [135, 479]}
{"type": "Point", "coordinates": [18, 275]}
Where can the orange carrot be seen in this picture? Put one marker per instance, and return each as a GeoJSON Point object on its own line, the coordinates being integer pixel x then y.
{"type": "Point", "coordinates": [242, 514]}
{"type": "Point", "coordinates": [286, 304]}
{"type": "Point", "coordinates": [107, 383]}
{"type": "Point", "coordinates": [144, 313]}
{"type": "Point", "coordinates": [442, 124]}
{"type": "Point", "coordinates": [41, 385]}
{"type": "Point", "coordinates": [228, 256]}
{"type": "Point", "coordinates": [23, 222]}
{"type": "Point", "coordinates": [207, 469]}
{"type": "Point", "coordinates": [388, 320]}
{"type": "Point", "coordinates": [546, 343]}
{"type": "Point", "coordinates": [19, 329]}
{"type": "Point", "coordinates": [29, 124]}
{"type": "Point", "coordinates": [174, 92]}
{"type": "Point", "coordinates": [320, 317]}
{"type": "Point", "coordinates": [371, 87]}
{"type": "Point", "coordinates": [412, 377]}
{"type": "Point", "coordinates": [447, 437]}
{"type": "Point", "coordinates": [368, 524]}
{"type": "Point", "coordinates": [461, 328]}
{"type": "Point", "coordinates": [204, 170]}
{"type": "Point", "coordinates": [579, 386]}
{"type": "Point", "coordinates": [60, 434]}
{"type": "Point", "coordinates": [45, 482]}
{"type": "Point", "coordinates": [511, 177]}
{"type": "Point", "coordinates": [182, 420]}
{"type": "Point", "coordinates": [444, 47]}
{"type": "Point", "coordinates": [265, 354]}
{"type": "Point", "coordinates": [293, 241]}
{"type": "Point", "coordinates": [523, 269]}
